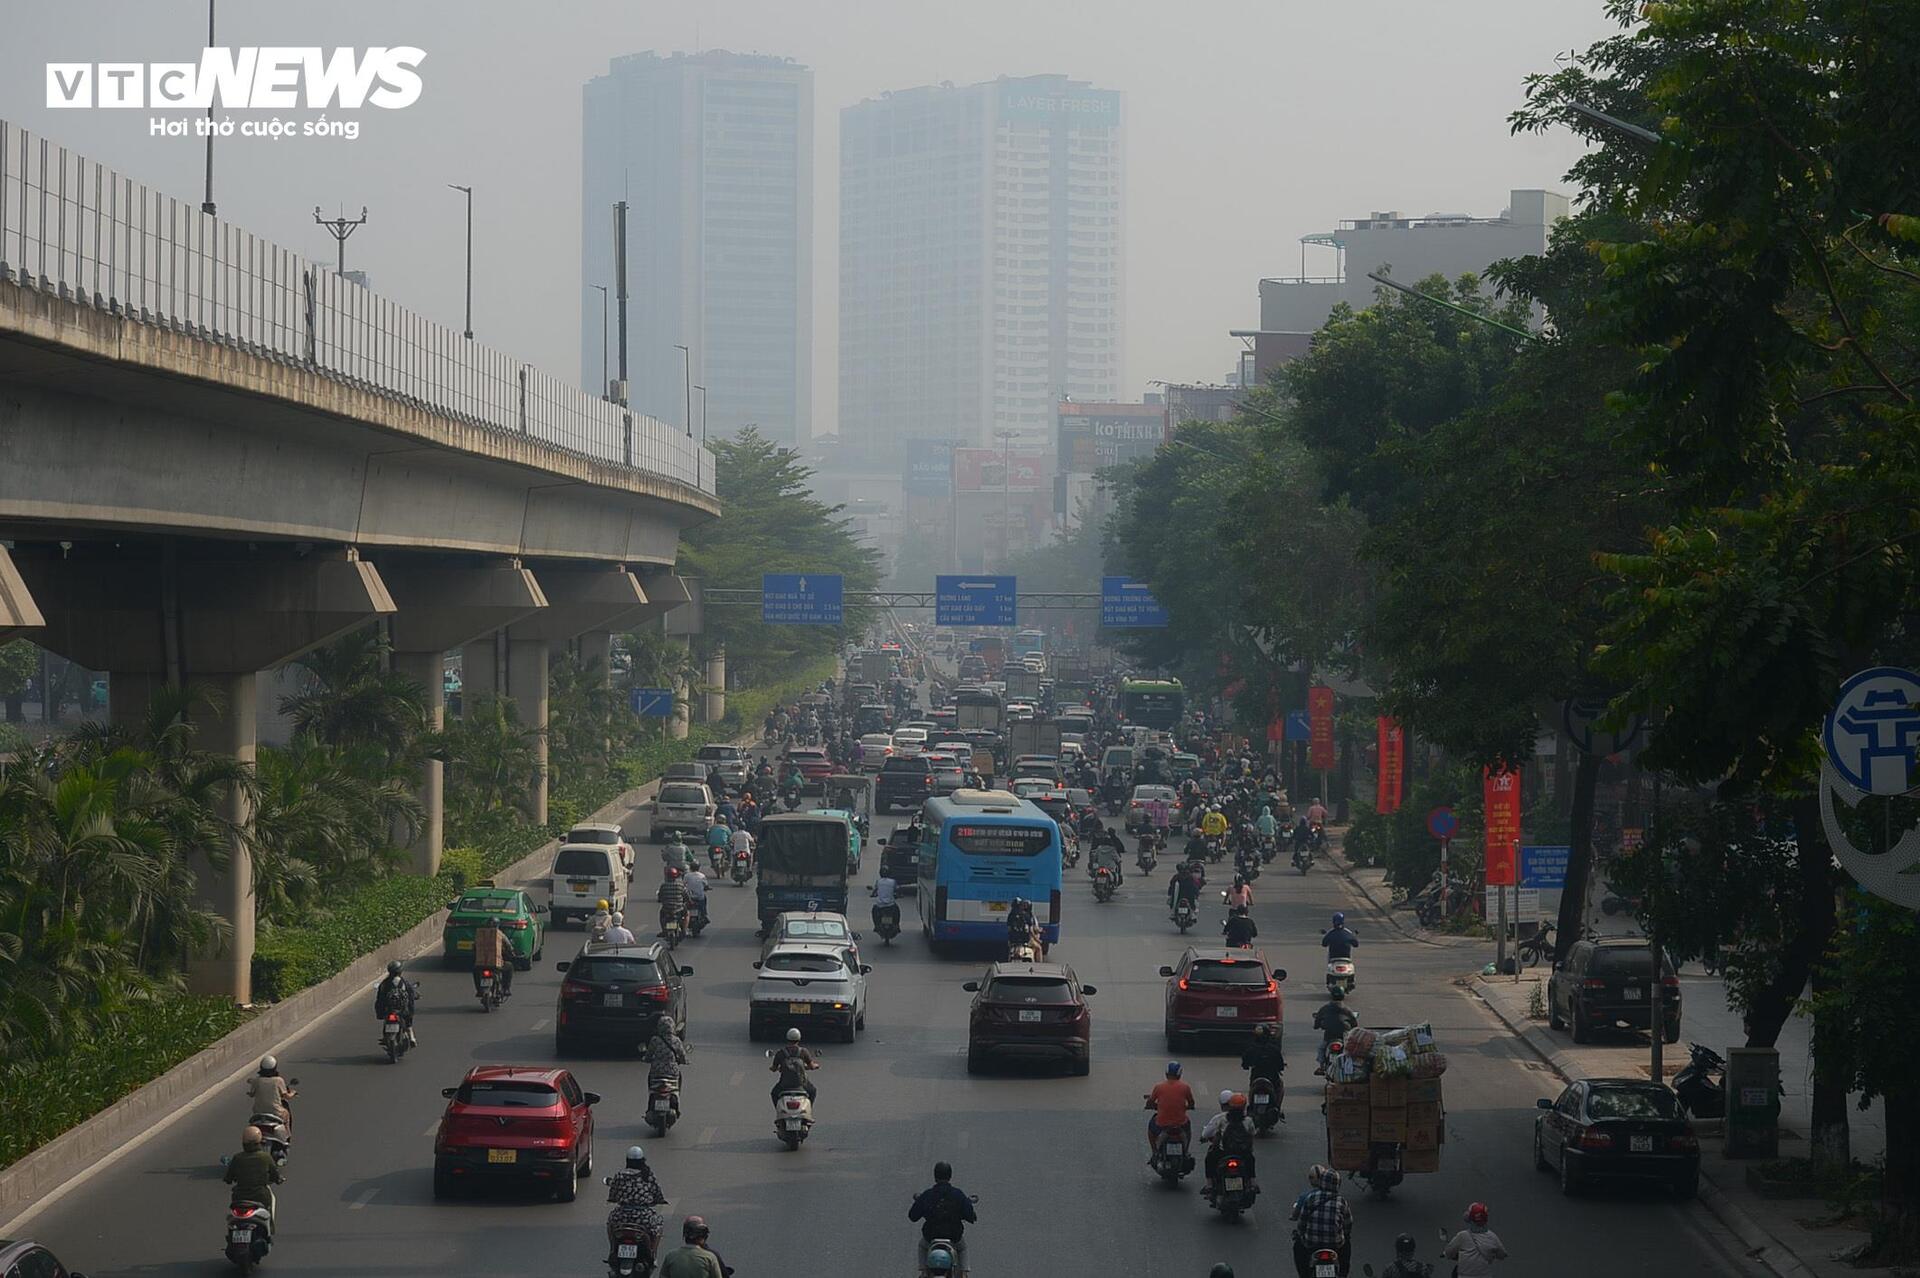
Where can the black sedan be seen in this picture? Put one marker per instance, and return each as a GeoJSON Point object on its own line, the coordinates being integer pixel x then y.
{"type": "Point", "coordinates": [1616, 1129]}
{"type": "Point", "coordinates": [31, 1260]}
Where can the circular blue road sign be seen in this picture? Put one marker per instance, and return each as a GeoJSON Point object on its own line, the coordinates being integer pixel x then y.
{"type": "Point", "coordinates": [1442, 823]}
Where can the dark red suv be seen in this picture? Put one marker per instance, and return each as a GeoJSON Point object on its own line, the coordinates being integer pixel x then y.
{"type": "Point", "coordinates": [511, 1122]}
{"type": "Point", "coordinates": [1219, 994]}
{"type": "Point", "coordinates": [1029, 1009]}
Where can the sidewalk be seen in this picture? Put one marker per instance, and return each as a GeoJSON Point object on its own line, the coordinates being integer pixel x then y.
{"type": "Point", "coordinates": [1371, 883]}
{"type": "Point", "coordinates": [1785, 1243]}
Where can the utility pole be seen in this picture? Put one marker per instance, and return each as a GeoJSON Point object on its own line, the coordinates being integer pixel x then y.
{"type": "Point", "coordinates": [468, 191]}
{"type": "Point", "coordinates": [686, 380]}
{"type": "Point", "coordinates": [620, 285]}
{"type": "Point", "coordinates": [703, 434]}
{"type": "Point", "coordinates": [603, 339]}
{"type": "Point", "coordinates": [206, 205]}
{"type": "Point", "coordinates": [340, 228]}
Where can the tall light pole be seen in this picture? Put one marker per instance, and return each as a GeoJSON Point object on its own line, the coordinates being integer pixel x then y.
{"type": "Point", "coordinates": [206, 205]}
{"type": "Point", "coordinates": [686, 379]}
{"type": "Point", "coordinates": [603, 339]}
{"type": "Point", "coordinates": [703, 434]}
{"type": "Point", "coordinates": [468, 192]}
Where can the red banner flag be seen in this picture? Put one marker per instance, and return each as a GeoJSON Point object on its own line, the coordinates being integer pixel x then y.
{"type": "Point", "coordinates": [1320, 729]}
{"type": "Point", "coordinates": [1393, 753]}
{"type": "Point", "coordinates": [1501, 794]}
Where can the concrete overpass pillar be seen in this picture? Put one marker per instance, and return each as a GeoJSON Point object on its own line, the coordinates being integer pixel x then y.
{"type": "Point", "coordinates": [443, 603]}
{"type": "Point", "coordinates": [527, 685]}
{"type": "Point", "coordinates": [481, 669]}
{"type": "Point", "coordinates": [17, 610]}
{"type": "Point", "coordinates": [597, 646]}
{"type": "Point", "coordinates": [201, 615]}
{"type": "Point", "coordinates": [717, 685]}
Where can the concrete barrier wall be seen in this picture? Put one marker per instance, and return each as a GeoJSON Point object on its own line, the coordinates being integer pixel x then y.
{"type": "Point", "coordinates": [67, 1155]}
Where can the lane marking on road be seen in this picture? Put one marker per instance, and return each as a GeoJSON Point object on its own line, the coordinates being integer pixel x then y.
{"type": "Point", "coordinates": [738, 1074]}
{"type": "Point", "coordinates": [706, 1136]}
{"type": "Point", "coordinates": [542, 1023]}
{"type": "Point", "coordinates": [433, 1128]}
{"type": "Point", "coordinates": [366, 1196]}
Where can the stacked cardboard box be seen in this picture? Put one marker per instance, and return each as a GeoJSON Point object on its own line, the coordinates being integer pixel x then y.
{"type": "Point", "coordinates": [1426, 1126]}
{"type": "Point", "coordinates": [1349, 1125]}
{"type": "Point", "coordinates": [1381, 1104]}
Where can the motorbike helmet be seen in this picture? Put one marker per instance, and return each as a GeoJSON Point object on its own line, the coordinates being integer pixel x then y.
{"type": "Point", "coordinates": [269, 1063]}
{"type": "Point", "coordinates": [1226, 1097]}
{"type": "Point", "coordinates": [793, 1036]}
{"type": "Point", "coordinates": [694, 1230]}
{"type": "Point", "coordinates": [251, 1136]}
{"type": "Point", "coordinates": [1237, 1102]}
{"type": "Point", "coordinates": [1339, 919]}
{"type": "Point", "coordinates": [939, 1258]}
{"type": "Point", "coordinates": [673, 871]}
{"type": "Point", "coordinates": [636, 1157]}
{"type": "Point", "coordinates": [1173, 1069]}
{"type": "Point", "coordinates": [393, 967]}
{"type": "Point", "coordinates": [1477, 1214]}
{"type": "Point", "coordinates": [605, 904]}
{"type": "Point", "coordinates": [1221, 1270]}
{"type": "Point", "coordinates": [617, 918]}
{"type": "Point", "coordinates": [1404, 1246]}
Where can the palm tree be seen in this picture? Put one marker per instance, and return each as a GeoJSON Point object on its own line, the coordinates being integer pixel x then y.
{"type": "Point", "coordinates": [492, 767]}
{"type": "Point", "coordinates": [579, 719]}
{"type": "Point", "coordinates": [354, 700]}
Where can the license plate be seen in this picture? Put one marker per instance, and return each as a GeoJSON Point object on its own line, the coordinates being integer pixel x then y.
{"type": "Point", "coordinates": [1262, 1099]}
{"type": "Point", "coordinates": [1632, 991]}
{"type": "Point", "coordinates": [1232, 1182]}
{"type": "Point", "coordinates": [627, 1251]}
{"type": "Point", "coordinates": [661, 1105]}
{"type": "Point", "coordinates": [580, 885]}
{"type": "Point", "coordinates": [463, 945]}
{"type": "Point", "coordinates": [610, 1000]}
{"type": "Point", "coordinates": [240, 1235]}
{"type": "Point", "coordinates": [1640, 1144]}
{"type": "Point", "coordinates": [1029, 1015]}
{"type": "Point", "coordinates": [1174, 1149]}
{"type": "Point", "coordinates": [503, 1155]}
{"type": "Point", "coordinates": [390, 1030]}
{"type": "Point", "coordinates": [793, 1124]}
{"type": "Point", "coordinates": [997, 907]}
{"type": "Point", "coordinates": [799, 1009]}
{"type": "Point", "coordinates": [1326, 1269]}
{"type": "Point", "coordinates": [1226, 1011]}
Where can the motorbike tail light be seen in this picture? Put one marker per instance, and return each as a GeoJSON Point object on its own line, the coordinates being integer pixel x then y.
{"type": "Point", "coordinates": [486, 973]}
{"type": "Point", "coordinates": [1233, 1164]}
{"type": "Point", "coordinates": [393, 1016]}
{"type": "Point", "coordinates": [1594, 1138]}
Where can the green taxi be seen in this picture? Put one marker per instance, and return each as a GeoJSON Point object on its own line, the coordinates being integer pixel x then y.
{"type": "Point", "coordinates": [853, 835]}
{"type": "Point", "coordinates": [522, 922]}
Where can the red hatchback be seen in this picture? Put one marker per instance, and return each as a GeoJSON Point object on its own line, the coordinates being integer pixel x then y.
{"type": "Point", "coordinates": [1215, 993]}
{"type": "Point", "coordinates": [511, 1122]}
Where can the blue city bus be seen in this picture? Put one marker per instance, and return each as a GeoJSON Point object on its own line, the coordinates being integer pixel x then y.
{"type": "Point", "coordinates": [978, 850]}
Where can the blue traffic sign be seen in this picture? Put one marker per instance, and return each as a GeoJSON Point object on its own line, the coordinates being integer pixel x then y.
{"type": "Point", "coordinates": [651, 703]}
{"type": "Point", "coordinates": [975, 601]}
{"type": "Point", "coordinates": [1873, 731]}
{"type": "Point", "coordinates": [1544, 866]}
{"type": "Point", "coordinates": [1299, 726]}
{"type": "Point", "coordinates": [1442, 823]}
{"type": "Point", "coordinates": [1129, 604]}
{"type": "Point", "coordinates": [801, 598]}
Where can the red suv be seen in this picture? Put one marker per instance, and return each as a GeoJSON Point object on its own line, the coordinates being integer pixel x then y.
{"type": "Point", "coordinates": [1029, 1009]}
{"type": "Point", "coordinates": [1221, 994]}
{"type": "Point", "coordinates": [511, 1122]}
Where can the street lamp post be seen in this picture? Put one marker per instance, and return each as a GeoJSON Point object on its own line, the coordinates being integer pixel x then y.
{"type": "Point", "coordinates": [206, 205]}
{"type": "Point", "coordinates": [686, 379]}
{"type": "Point", "coordinates": [468, 192]}
{"type": "Point", "coordinates": [703, 434]}
{"type": "Point", "coordinates": [603, 339]}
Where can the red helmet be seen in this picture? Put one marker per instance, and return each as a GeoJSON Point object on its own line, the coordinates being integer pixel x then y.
{"type": "Point", "coordinates": [1477, 1214]}
{"type": "Point", "coordinates": [673, 871]}
{"type": "Point", "coordinates": [1237, 1101]}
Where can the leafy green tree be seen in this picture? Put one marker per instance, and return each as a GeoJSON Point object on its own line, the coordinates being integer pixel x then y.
{"type": "Point", "coordinates": [354, 700]}
{"type": "Point", "coordinates": [493, 766]}
{"type": "Point", "coordinates": [773, 523]}
{"type": "Point", "coordinates": [580, 719]}
{"type": "Point", "coordinates": [19, 661]}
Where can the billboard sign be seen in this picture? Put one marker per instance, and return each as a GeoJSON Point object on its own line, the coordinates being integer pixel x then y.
{"type": "Point", "coordinates": [990, 470]}
{"type": "Point", "coordinates": [928, 468]}
{"type": "Point", "coordinates": [1083, 108]}
{"type": "Point", "coordinates": [801, 598]}
{"type": "Point", "coordinates": [1500, 793]}
{"type": "Point", "coordinates": [1094, 436]}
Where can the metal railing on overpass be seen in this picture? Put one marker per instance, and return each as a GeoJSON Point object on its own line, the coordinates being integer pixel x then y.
{"type": "Point", "coordinates": [729, 597]}
{"type": "Point", "coordinates": [77, 229]}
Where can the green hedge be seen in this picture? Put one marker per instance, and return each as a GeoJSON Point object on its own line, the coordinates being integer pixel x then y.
{"type": "Point", "coordinates": [42, 1099]}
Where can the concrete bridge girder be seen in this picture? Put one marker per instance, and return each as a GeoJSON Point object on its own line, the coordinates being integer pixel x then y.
{"type": "Point", "coordinates": [18, 613]}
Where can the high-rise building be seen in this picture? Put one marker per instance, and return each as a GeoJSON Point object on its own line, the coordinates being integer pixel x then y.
{"type": "Point", "coordinates": [713, 153]}
{"type": "Point", "coordinates": [982, 238]}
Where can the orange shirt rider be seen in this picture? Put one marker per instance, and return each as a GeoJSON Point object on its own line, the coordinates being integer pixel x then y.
{"type": "Point", "coordinates": [1171, 1100]}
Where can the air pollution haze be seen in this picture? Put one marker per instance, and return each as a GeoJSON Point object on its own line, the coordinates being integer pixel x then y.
{"type": "Point", "coordinates": [1248, 125]}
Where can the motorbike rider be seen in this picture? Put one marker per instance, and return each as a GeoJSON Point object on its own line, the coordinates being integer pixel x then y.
{"type": "Point", "coordinates": [666, 1052]}
{"type": "Point", "coordinates": [1302, 835]}
{"type": "Point", "coordinates": [1339, 939]}
{"type": "Point", "coordinates": [1105, 855]}
{"type": "Point", "coordinates": [601, 921]}
{"type": "Point", "coordinates": [696, 884]}
{"type": "Point", "coordinates": [1239, 930]}
{"type": "Point", "coordinates": [693, 1259]}
{"type": "Point", "coordinates": [1171, 1101]}
{"type": "Point", "coordinates": [1333, 1020]}
{"type": "Point", "coordinates": [1322, 1219]}
{"type": "Point", "coordinates": [1317, 813]}
{"type": "Point", "coordinates": [1404, 1264]}
{"type": "Point", "coordinates": [1263, 1057]}
{"type": "Point", "coordinates": [792, 1063]}
{"type": "Point", "coordinates": [673, 898]}
{"type": "Point", "coordinates": [885, 900]}
{"type": "Point", "coordinates": [1214, 824]}
{"type": "Point", "coordinates": [637, 1199]}
{"type": "Point", "coordinates": [1240, 895]}
{"type": "Point", "coordinates": [1091, 826]}
{"type": "Point", "coordinates": [1232, 1137]}
{"type": "Point", "coordinates": [491, 953]}
{"type": "Point", "coordinates": [1023, 928]}
{"type": "Point", "coordinates": [743, 842]}
{"type": "Point", "coordinates": [1475, 1248]}
{"type": "Point", "coordinates": [1265, 826]}
{"type": "Point", "coordinates": [268, 1093]}
{"type": "Point", "coordinates": [719, 836]}
{"type": "Point", "coordinates": [617, 931]}
{"type": "Point", "coordinates": [253, 1173]}
{"type": "Point", "coordinates": [398, 995]}
{"type": "Point", "coordinates": [1184, 885]}
{"type": "Point", "coordinates": [943, 1212]}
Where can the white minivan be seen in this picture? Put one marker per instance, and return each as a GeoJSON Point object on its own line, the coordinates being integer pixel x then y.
{"type": "Point", "coordinates": [585, 874]}
{"type": "Point", "coordinates": [683, 806]}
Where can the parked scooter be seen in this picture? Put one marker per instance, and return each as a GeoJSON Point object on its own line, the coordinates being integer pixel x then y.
{"type": "Point", "coordinates": [249, 1234]}
{"type": "Point", "coordinates": [663, 1104]}
{"type": "Point", "coordinates": [491, 991]}
{"type": "Point", "coordinates": [1340, 976]}
{"type": "Point", "coordinates": [1701, 1083]}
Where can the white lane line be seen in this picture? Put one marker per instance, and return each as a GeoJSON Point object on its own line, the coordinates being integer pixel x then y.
{"type": "Point", "coordinates": [738, 1074]}
{"type": "Point", "coordinates": [366, 1196]}
{"type": "Point", "coordinates": [433, 1128]}
{"type": "Point", "coordinates": [706, 1136]}
{"type": "Point", "coordinates": [542, 1023]}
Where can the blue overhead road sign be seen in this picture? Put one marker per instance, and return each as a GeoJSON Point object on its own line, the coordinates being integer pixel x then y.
{"type": "Point", "coordinates": [1128, 604]}
{"type": "Point", "coordinates": [651, 703]}
{"type": "Point", "coordinates": [801, 598]}
{"type": "Point", "coordinates": [974, 601]}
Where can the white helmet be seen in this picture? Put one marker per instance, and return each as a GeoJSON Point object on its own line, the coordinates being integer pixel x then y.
{"type": "Point", "coordinates": [268, 1064]}
{"type": "Point", "coordinates": [1226, 1095]}
{"type": "Point", "coordinates": [618, 918]}
{"type": "Point", "coordinates": [793, 1036]}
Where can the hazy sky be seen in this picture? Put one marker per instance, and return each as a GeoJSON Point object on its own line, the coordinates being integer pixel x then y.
{"type": "Point", "coordinates": [1252, 122]}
